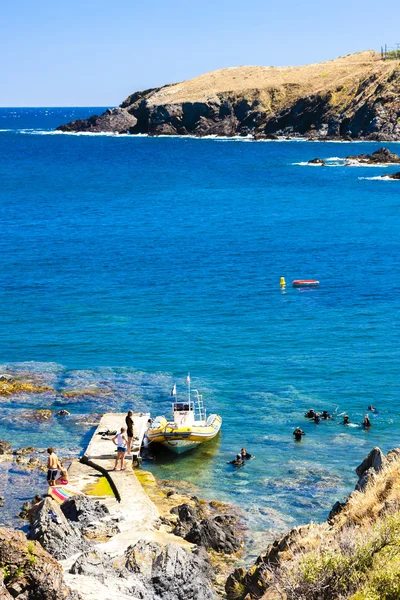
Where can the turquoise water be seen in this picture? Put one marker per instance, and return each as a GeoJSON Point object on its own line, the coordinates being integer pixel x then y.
{"type": "Point", "coordinates": [129, 261]}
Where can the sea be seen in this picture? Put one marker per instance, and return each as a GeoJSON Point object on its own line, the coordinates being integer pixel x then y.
{"type": "Point", "coordinates": [129, 261]}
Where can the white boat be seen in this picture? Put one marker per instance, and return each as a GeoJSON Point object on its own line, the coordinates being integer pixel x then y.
{"type": "Point", "coordinates": [190, 425]}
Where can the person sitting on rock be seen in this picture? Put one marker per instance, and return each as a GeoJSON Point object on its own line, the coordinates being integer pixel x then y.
{"type": "Point", "coordinates": [366, 422]}
{"type": "Point", "coordinates": [121, 441]}
{"type": "Point", "coordinates": [237, 461]}
{"type": "Point", "coordinates": [245, 455]}
{"type": "Point", "coordinates": [317, 418]}
{"type": "Point", "coordinates": [298, 434]}
{"type": "Point", "coordinates": [63, 413]}
{"type": "Point", "coordinates": [310, 414]}
{"type": "Point", "coordinates": [346, 420]}
{"type": "Point", "coordinates": [53, 465]}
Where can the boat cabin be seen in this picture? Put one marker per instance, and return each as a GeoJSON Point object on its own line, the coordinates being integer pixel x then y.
{"type": "Point", "coordinates": [183, 414]}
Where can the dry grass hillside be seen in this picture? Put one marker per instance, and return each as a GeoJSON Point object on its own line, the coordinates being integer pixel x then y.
{"type": "Point", "coordinates": [295, 82]}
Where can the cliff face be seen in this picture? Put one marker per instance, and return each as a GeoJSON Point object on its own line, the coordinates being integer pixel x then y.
{"type": "Point", "coordinates": [356, 96]}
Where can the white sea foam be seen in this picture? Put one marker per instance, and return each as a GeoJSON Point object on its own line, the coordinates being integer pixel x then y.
{"type": "Point", "coordinates": [379, 178]}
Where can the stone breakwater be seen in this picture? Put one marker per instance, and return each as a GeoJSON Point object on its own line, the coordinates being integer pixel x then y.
{"type": "Point", "coordinates": [352, 97]}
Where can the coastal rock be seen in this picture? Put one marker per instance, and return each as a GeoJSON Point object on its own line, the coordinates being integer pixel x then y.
{"type": "Point", "coordinates": [56, 534]}
{"type": "Point", "coordinates": [375, 460]}
{"type": "Point", "coordinates": [29, 572]}
{"type": "Point", "coordinates": [83, 510]}
{"type": "Point", "coordinates": [352, 97]}
{"type": "Point", "coordinates": [381, 156]}
{"type": "Point", "coordinates": [115, 120]}
{"type": "Point", "coordinates": [148, 571]}
{"type": "Point", "coordinates": [393, 175]}
{"type": "Point", "coordinates": [217, 533]}
{"type": "Point", "coordinates": [317, 161]}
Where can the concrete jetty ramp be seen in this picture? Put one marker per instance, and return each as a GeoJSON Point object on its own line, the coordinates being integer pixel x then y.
{"type": "Point", "coordinates": [101, 445]}
{"type": "Point", "coordinates": [138, 515]}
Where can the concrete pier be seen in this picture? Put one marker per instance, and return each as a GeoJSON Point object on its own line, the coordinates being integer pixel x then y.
{"type": "Point", "coordinates": [138, 515]}
{"type": "Point", "coordinates": [101, 447]}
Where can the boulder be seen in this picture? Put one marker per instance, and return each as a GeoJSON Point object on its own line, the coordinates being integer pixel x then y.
{"type": "Point", "coordinates": [393, 175]}
{"type": "Point", "coordinates": [31, 573]}
{"type": "Point", "coordinates": [218, 533]}
{"type": "Point", "coordinates": [83, 510]}
{"type": "Point", "coordinates": [57, 535]}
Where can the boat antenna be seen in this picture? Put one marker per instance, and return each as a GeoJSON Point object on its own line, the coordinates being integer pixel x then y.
{"type": "Point", "coordinates": [188, 382]}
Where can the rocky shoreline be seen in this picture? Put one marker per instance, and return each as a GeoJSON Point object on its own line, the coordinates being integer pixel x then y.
{"type": "Point", "coordinates": [69, 542]}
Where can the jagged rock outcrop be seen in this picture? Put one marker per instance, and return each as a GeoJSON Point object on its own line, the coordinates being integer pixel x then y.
{"type": "Point", "coordinates": [60, 537]}
{"type": "Point", "coordinates": [393, 175]}
{"type": "Point", "coordinates": [381, 156]}
{"type": "Point", "coordinates": [352, 97]}
{"type": "Point", "coordinates": [28, 572]}
{"type": "Point", "coordinates": [372, 464]}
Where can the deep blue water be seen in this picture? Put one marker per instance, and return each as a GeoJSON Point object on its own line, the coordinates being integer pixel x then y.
{"type": "Point", "coordinates": [128, 261]}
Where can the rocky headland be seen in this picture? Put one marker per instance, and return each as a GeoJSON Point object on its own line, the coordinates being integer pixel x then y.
{"type": "Point", "coordinates": [351, 97]}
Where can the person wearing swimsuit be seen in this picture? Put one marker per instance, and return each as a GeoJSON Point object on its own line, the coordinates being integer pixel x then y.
{"type": "Point", "coordinates": [53, 466]}
{"type": "Point", "coordinates": [120, 440]}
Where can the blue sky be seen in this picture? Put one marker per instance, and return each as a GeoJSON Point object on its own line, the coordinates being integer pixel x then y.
{"type": "Point", "coordinates": [95, 53]}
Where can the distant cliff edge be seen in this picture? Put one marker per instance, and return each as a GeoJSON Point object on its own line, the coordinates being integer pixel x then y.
{"type": "Point", "coordinates": [352, 97]}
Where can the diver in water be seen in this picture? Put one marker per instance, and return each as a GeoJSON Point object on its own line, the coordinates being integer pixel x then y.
{"type": "Point", "coordinates": [325, 415]}
{"type": "Point", "coordinates": [372, 409]}
{"type": "Point", "coordinates": [310, 414]}
{"type": "Point", "coordinates": [366, 422]}
{"type": "Point", "coordinates": [236, 462]}
{"type": "Point", "coordinates": [298, 434]}
{"type": "Point", "coordinates": [317, 418]}
{"type": "Point", "coordinates": [346, 420]}
{"type": "Point", "coordinates": [245, 455]}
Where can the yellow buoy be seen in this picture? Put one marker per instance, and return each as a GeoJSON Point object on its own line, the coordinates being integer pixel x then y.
{"type": "Point", "coordinates": [283, 282]}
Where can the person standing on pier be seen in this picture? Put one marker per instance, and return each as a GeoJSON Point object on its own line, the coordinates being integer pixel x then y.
{"type": "Point", "coordinates": [129, 430]}
{"type": "Point", "coordinates": [120, 440]}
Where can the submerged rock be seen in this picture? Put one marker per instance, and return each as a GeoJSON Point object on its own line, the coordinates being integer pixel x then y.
{"type": "Point", "coordinates": [393, 175]}
{"type": "Point", "coordinates": [5, 447]}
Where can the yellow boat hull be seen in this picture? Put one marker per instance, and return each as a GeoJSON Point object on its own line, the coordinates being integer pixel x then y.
{"type": "Point", "coordinates": [181, 439]}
